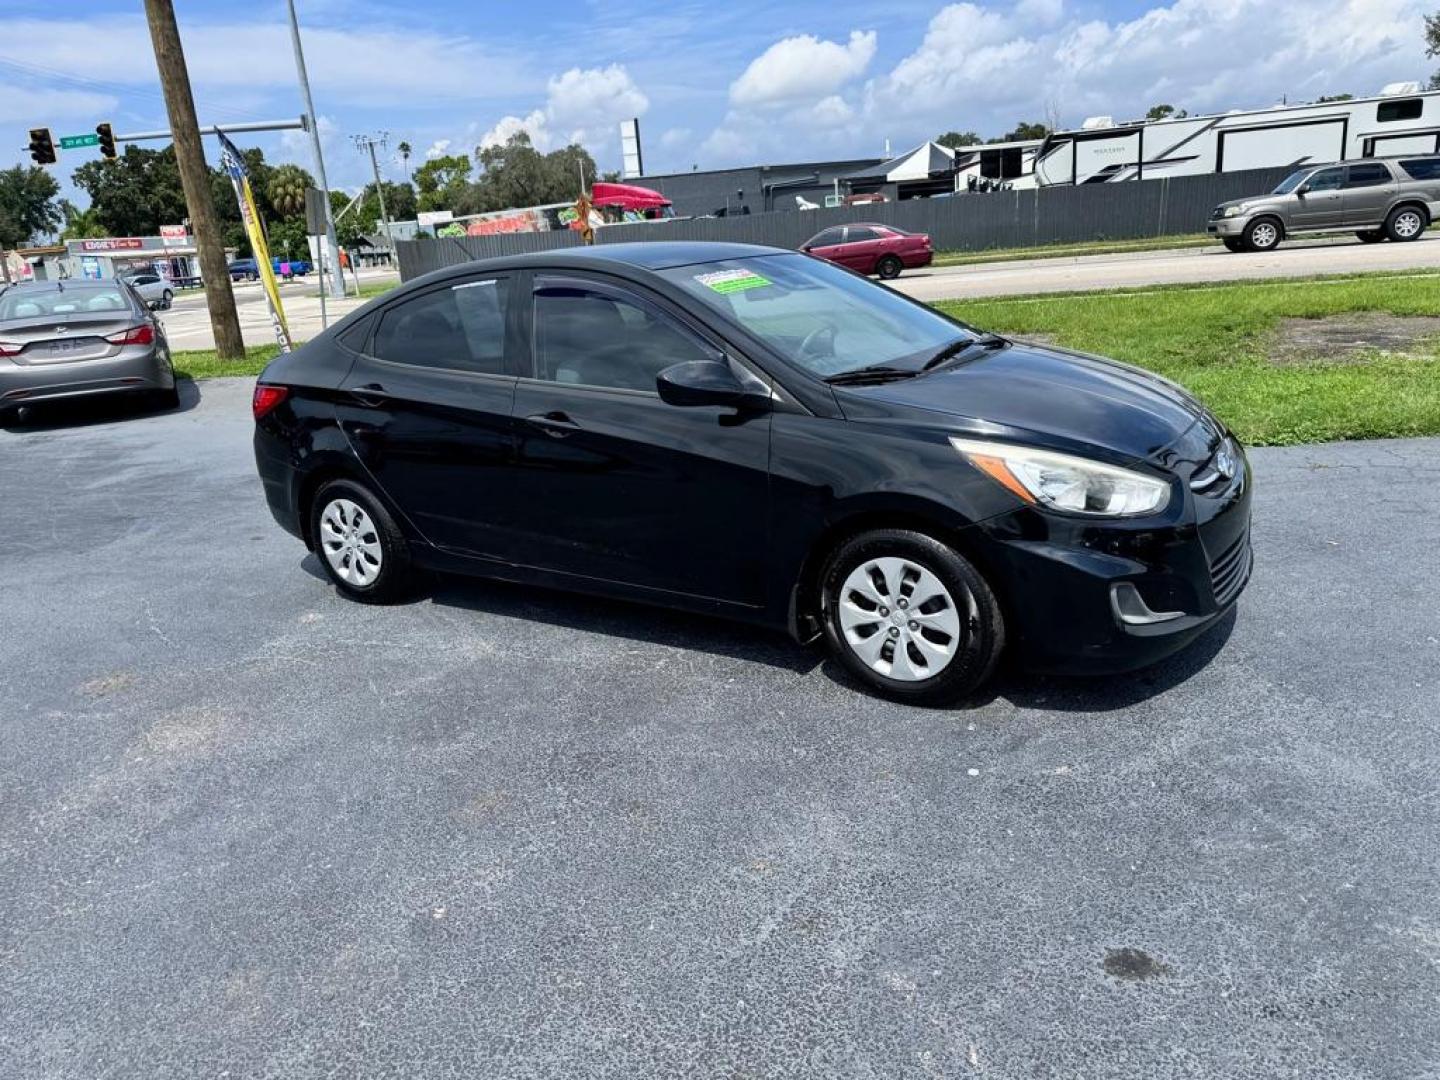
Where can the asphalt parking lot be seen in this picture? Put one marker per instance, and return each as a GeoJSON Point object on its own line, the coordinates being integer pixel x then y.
{"type": "Point", "coordinates": [250, 830]}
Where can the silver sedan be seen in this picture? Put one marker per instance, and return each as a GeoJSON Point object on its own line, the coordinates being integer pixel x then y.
{"type": "Point", "coordinates": [67, 339]}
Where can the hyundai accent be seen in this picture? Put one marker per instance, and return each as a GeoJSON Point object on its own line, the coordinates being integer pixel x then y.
{"type": "Point", "coordinates": [762, 435]}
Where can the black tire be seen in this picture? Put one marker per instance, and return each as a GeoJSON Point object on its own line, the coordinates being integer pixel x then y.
{"type": "Point", "coordinates": [889, 267]}
{"type": "Point", "coordinates": [1371, 236]}
{"type": "Point", "coordinates": [395, 577]}
{"type": "Point", "coordinates": [166, 300]}
{"type": "Point", "coordinates": [1233, 243]}
{"type": "Point", "coordinates": [981, 626]}
{"type": "Point", "coordinates": [1263, 234]}
{"type": "Point", "coordinates": [165, 400]}
{"type": "Point", "coordinates": [1406, 223]}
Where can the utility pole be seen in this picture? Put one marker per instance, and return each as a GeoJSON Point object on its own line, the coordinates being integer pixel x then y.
{"type": "Point", "coordinates": [339, 280]}
{"type": "Point", "coordinates": [365, 142]}
{"type": "Point", "coordinates": [195, 178]}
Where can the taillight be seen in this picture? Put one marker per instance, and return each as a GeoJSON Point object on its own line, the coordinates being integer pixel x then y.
{"type": "Point", "coordinates": [266, 398]}
{"type": "Point", "coordinates": [9, 348]}
{"type": "Point", "coordinates": [136, 335]}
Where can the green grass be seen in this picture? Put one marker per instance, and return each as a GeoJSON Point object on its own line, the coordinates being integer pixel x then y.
{"type": "Point", "coordinates": [1213, 340]}
{"type": "Point", "coordinates": [204, 364]}
{"type": "Point", "coordinates": [377, 288]}
{"type": "Point", "coordinates": [1089, 247]}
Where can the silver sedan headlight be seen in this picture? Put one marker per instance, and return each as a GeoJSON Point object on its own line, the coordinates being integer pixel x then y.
{"type": "Point", "coordinates": [1074, 485]}
{"type": "Point", "coordinates": [1234, 211]}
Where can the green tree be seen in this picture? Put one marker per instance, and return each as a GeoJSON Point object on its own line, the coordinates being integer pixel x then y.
{"type": "Point", "coordinates": [405, 150]}
{"type": "Point", "coordinates": [286, 190]}
{"type": "Point", "coordinates": [27, 204]}
{"type": "Point", "coordinates": [955, 139]}
{"type": "Point", "coordinates": [1165, 112]}
{"type": "Point", "coordinates": [1024, 131]}
{"type": "Point", "coordinates": [135, 193]}
{"type": "Point", "coordinates": [1432, 44]}
{"type": "Point", "coordinates": [287, 239]}
{"type": "Point", "coordinates": [516, 175]}
{"type": "Point", "coordinates": [79, 224]}
{"type": "Point", "coordinates": [441, 181]}
{"type": "Point", "coordinates": [1333, 97]}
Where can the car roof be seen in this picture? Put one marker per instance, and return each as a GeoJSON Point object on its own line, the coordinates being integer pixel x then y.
{"type": "Point", "coordinates": [62, 285]}
{"type": "Point", "coordinates": [637, 255]}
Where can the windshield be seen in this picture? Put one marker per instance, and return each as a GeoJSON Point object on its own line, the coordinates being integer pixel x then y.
{"type": "Point", "coordinates": [1291, 182]}
{"type": "Point", "coordinates": [34, 303]}
{"type": "Point", "coordinates": [817, 315]}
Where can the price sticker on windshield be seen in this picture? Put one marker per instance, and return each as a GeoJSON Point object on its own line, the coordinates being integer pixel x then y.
{"type": "Point", "coordinates": [728, 281]}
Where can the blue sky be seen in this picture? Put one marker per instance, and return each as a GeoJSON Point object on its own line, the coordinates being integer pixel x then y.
{"type": "Point", "coordinates": [713, 84]}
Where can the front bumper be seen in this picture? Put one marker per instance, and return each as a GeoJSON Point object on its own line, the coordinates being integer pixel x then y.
{"type": "Point", "coordinates": [137, 368]}
{"type": "Point", "coordinates": [1094, 598]}
{"type": "Point", "coordinates": [1232, 226]}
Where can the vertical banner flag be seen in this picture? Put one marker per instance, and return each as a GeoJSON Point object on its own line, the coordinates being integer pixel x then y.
{"type": "Point", "coordinates": [234, 164]}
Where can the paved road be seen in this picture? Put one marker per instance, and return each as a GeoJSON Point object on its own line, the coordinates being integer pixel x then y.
{"type": "Point", "coordinates": [187, 323]}
{"type": "Point", "coordinates": [1171, 267]}
{"type": "Point", "coordinates": [248, 829]}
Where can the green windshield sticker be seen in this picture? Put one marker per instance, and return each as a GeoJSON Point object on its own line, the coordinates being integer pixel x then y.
{"type": "Point", "coordinates": [728, 281]}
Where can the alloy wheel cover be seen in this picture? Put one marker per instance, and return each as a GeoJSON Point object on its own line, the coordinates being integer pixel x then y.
{"type": "Point", "coordinates": [900, 620]}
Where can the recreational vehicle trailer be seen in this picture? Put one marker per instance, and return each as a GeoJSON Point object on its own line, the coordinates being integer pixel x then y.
{"type": "Point", "coordinates": [1400, 120]}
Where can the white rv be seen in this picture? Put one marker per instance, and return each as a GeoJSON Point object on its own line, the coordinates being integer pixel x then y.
{"type": "Point", "coordinates": [1400, 120]}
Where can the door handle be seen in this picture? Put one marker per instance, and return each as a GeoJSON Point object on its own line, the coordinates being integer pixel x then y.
{"type": "Point", "coordinates": [370, 395]}
{"type": "Point", "coordinates": [556, 424]}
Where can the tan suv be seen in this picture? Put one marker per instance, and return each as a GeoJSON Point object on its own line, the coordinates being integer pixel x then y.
{"type": "Point", "coordinates": [1377, 199]}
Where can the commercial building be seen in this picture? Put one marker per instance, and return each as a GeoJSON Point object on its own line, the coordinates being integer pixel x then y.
{"type": "Point", "coordinates": [173, 256]}
{"type": "Point", "coordinates": [754, 188]}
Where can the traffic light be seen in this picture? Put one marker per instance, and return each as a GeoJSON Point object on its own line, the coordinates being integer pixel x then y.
{"type": "Point", "coordinates": [107, 139]}
{"type": "Point", "coordinates": [42, 146]}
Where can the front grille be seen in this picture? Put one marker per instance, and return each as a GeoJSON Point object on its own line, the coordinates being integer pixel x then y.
{"type": "Point", "coordinates": [1230, 570]}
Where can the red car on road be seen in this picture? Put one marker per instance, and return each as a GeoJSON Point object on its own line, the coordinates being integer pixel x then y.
{"type": "Point", "coordinates": [871, 248]}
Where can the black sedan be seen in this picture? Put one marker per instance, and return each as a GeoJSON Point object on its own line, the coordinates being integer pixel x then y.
{"type": "Point", "coordinates": [761, 435]}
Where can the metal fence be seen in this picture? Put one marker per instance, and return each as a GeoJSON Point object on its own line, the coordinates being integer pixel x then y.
{"type": "Point", "coordinates": [971, 222]}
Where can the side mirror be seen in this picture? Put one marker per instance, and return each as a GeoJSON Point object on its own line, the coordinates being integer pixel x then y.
{"type": "Point", "coordinates": [1302, 189]}
{"type": "Point", "coordinates": [705, 382]}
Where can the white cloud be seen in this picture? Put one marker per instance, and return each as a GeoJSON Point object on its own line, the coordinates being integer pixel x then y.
{"type": "Point", "coordinates": [986, 67]}
{"type": "Point", "coordinates": [437, 149]}
{"type": "Point", "coordinates": [581, 106]}
{"type": "Point", "coordinates": [28, 105]}
{"type": "Point", "coordinates": [797, 68]}
{"type": "Point", "coordinates": [675, 137]}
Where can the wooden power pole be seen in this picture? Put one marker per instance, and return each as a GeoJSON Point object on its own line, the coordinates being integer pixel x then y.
{"type": "Point", "coordinates": [195, 178]}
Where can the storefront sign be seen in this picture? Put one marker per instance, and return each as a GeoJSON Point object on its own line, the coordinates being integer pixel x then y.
{"type": "Point", "coordinates": [174, 235]}
{"type": "Point", "coordinates": [124, 243]}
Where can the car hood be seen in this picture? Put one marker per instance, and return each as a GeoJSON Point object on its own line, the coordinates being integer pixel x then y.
{"type": "Point", "coordinates": [1252, 200]}
{"type": "Point", "coordinates": [1065, 400]}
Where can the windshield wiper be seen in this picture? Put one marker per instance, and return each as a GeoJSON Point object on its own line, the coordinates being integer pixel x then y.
{"type": "Point", "coordinates": [955, 348]}
{"type": "Point", "coordinates": [874, 373]}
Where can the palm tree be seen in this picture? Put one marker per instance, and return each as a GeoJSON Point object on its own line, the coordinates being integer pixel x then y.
{"type": "Point", "coordinates": [405, 152]}
{"type": "Point", "coordinates": [286, 190]}
{"type": "Point", "coordinates": [80, 224]}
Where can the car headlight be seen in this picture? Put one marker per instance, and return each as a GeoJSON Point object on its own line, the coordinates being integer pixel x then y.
{"type": "Point", "coordinates": [1234, 211]}
{"type": "Point", "coordinates": [1075, 485]}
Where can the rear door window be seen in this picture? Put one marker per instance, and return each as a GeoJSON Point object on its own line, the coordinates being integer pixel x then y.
{"type": "Point", "coordinates": [828, 238]}
{"type": "Point", "coordinates": [1367, 175]}
{"type": "Point", "coordinates": [856, 233]}
{"type": "Point", "coordinates": [460, 327]}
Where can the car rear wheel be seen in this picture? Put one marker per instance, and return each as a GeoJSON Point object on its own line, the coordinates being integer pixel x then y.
{"type": "Point", "coordinates": [1233, 243]}
{"type": "Point", "coordinates": [166, 299]}
{"type": "Point", "coordinates": [889, 267]}
{"type": "Point", "coordinates": [1263, 234]}
{"type": "Point", "coordinates": [910, 617]}
{"type": "Point", "coordinates": [1405, 223]}
{"type": "Point", "coordinates": [360, 547]}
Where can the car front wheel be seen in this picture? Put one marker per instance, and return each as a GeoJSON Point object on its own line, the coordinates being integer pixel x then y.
{"type": "Point", "coordinates": [910, 617]}
{"type": "Point", "coordinates": [1371, 236]}
{"type": "Point", "coordinates": [361, 548]}
{"type": "Point", "coordinates": [1233, 243]}
{"type": "Point", "coordinates": [1263, 234]}
{"type": "Point", "coordinates": [889, 267]}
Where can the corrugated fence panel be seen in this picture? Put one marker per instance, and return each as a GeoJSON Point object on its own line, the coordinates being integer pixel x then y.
{"type": "Point", "coordinates": [1002, 219]}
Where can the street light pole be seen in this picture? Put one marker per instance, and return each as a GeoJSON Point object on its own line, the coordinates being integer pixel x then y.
{"type": "Point", "coordinates": [330, 241]}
